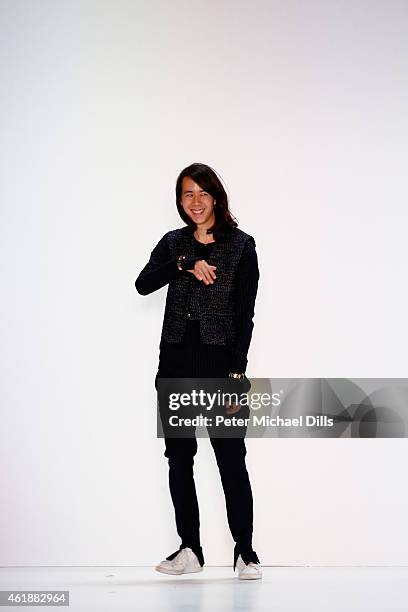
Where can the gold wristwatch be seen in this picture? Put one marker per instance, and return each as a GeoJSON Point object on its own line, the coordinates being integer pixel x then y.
{"type": "Point", "coordinates": [180, 260]}
{"type": "Point", "coordinates": [239, 376]}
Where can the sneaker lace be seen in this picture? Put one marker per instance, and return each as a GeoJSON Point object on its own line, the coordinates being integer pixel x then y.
{"type": "Point", "coordinates": [173, 555]}
{"type": "Point", "coordinates": [197, 552]}
{"type": "Point", "coordinates": [248, 556]}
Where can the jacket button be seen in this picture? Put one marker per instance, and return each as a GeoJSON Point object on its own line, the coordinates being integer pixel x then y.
{"type": "Point", "coordinates": [188, 314]}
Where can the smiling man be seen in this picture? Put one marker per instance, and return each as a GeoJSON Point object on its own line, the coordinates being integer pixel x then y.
{"type": "Point", "coordinates": [211, 269]}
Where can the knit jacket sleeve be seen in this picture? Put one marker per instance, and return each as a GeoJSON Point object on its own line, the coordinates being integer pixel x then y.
{"type": "Point", "coordinates": [245, 297]}
{"type": "Point", "coordinates": [160, 269]}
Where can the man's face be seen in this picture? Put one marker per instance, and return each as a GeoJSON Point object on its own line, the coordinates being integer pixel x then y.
{"type": "Point", "coordinates": [197, 203]}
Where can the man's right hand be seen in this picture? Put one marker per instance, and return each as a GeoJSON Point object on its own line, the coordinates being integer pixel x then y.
{"type": "Point", "coordinates": [204, 272]}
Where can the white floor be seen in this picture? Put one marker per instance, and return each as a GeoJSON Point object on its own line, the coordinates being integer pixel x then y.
{"type": "Point", "coordinates": [316, 589]}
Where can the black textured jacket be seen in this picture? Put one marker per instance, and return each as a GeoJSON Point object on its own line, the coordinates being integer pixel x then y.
{"type": "Point", "coordinates": [225, 308]}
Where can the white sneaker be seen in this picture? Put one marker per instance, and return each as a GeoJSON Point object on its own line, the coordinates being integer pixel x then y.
{"type": "Point", "coordinates": [248, 571]}
{"type": "Point", "coordinates": [184, 561]}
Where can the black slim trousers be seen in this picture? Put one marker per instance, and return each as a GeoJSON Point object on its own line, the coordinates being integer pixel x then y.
{"type": "Point", "coordinates": [192, 358]}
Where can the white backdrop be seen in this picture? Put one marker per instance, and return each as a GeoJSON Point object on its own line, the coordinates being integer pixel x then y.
{"type": "Point", "coordinates": [301, 108]}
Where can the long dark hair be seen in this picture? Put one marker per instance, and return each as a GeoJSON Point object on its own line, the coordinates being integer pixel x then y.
{"type": "Point", "coordinates": [208, 180]}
